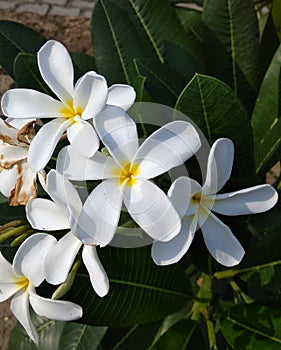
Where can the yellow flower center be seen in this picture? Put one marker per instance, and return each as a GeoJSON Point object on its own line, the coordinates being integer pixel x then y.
{"type": "Point", "coordinates": [22, 282]}
{"type": "Point", "coordinates": [128, 174]}
{"type": "Point", "coordinates": [70, 112]}
{"type": "Point", "coordinates": [196, 198]}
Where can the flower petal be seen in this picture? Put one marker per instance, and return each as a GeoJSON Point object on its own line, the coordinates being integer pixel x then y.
{"type": "Point", "coordinates": [100, 214]}
{"type": "Point", "coordinates": [169, 146]}
{"type": "Point", "coordinates": [167, 253]}
{"type": "Point", "coordinates": [55, 309]}
{"type": "Point", "coordinates": [151, 210]}
{"type": "Point", "coordinates": [118, 133]}
{"type": "Point", "coordinates": [11, 154]}
{"type": "Point", "coordinates": [90, 94]}
{"type": "Point", "coordinates": [220, 241]}
{"type": "Point", "coordinates": [29, 258]}
{"type": "Point", "coordinates": [18, 123]}
{"type": "Point", "coordinates": [45, 142]}
{"type": "Point", "coordinates": [62, 191]}
{"type": "Point", "coordinates": [59, 260]}
{"type": "Point", "coordinates": [180, 194]}
{"type": "Point", "coordinates": [20, 308]}
{"type": "Point", "coordinates": [56, 68]}
{"type": "Point", "coordinates": [23, 103]}
{"type": "Point", "coordinates": [219, 166]}
{"type": "Point", "coordinates": [8, 285]}
{"type": "Point", "coordinates": [96, 271]}
{"type": "Point", "coordinates": [121, 95]}
{"type": "Point", "coordinates": [75, 167]}
{"type": "Point", "coordinates": [83, 138]}
{"type": "Point", "coordinates": [251, 200]}
{"type": "Point", "coordinates": [8, 178]}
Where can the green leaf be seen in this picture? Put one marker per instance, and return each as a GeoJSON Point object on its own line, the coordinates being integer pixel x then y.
{"type": "Point", "coordinates": [232, 49]}
{"type": "Point", "coordinates": [57, 335]}
{"type": "Point", "coordinates": [183, 335]}
{"type": "Point", "coordinates": [27, 75]}
{"type": "Point", "coordinates": [218, 112]}
{"type": "Point", "coordinates": [8, 213]}
{"type": "Point", "coordinates": [139, 292]}
{"type": "Point", "coordinates": [265, 113]}
{"type": "Point", "coordinates": [252, 327]}
{"type": "Point", "coordinates": [82, 63]}
{"type": "Point", "coordinates": [16, 38]}
{"type": "Point", "coordinates": [276, 15]}
{"type": "Point", "coordinates": [125, 30]}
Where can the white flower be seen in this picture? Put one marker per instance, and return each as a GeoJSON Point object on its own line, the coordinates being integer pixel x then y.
{"type": "Point", "coordinates": [126, 175]}
{"type": "Point", "coordinates": [17, 180]}
{"type": "Point", "coordinates": [22, 277]}
{"type": "Point", "coordinates": [77, 104]}
{"type": "Point", "coordinates": [45, 214]}
{"type": "Point", "coordinates": [195, 205]}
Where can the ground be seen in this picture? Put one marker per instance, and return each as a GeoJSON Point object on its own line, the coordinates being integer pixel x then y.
{"type": "Point", "coordinates": [74, 33]}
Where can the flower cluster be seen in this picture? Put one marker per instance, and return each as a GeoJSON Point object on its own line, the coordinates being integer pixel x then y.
{"type": "Point", "coordinates": [103, 147]}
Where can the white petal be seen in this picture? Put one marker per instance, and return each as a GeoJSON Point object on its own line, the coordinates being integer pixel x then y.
{"type": "Point", "coordinates": [180, 194]}
{"type": "Point", "coordinates": [45, 142]}
{"type": "Point", "coordinates": [20, 308]}
{"type": "Point", "coordinates": [56, 68]}
{"type": "Point", "coordinates": [169, 146]}
{"type": "Point", "coordinates": [8, 133]}
{"type": "Point", "coordinates": [18, 123]}
{"type": "Point", "coordinates": [44, 214]}
{"type": "Point", "coordinates": [96, 271]}
{"type": "Point", "coordinates": [167, 253]}
{"type": "Point", "coordinates": [55, 309]}
{"type": "Point", "coordinates": [23, 103]}
{"type": "Point", "coordinates": [251, 200]}
{"type": "Point", "coordinates": [118, 133]}
{"type": "Point", "coordinates": [151, 210]}
{"type": "Point", "coordinates": [121, 95]}
{"type": "Point", "coordinates": [7, 289]}
{"type": "Point", "coordinates": [62, 191]}
{"type": "Point", "coordinates": [11, 154]}
{"type": "Point", "coordinates": [83, 138]}
{"type": "Point", "coordinates": [8, 178]}
{"type": "Point", "coordinates": [59, 260]}
{"type": "Point", "coordinates": [75, 167]}
{"type": "Point", "coordinates": [220, 241]}
{"type": "Point", "coordinates": [219, 166]}
{"type": "Point", "coordinates": [90, 94]}
{"type": "Point", "coordinates": [100, 214]}
{"type": "Point", "coordinates": [30, 256]}
{"type": "Point", "coordinates": [8, 285]}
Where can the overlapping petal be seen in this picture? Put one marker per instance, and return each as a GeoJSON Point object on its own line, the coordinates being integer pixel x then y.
{"type": "Point", "coordinates": [169, 146]}
{"type": "Point", "coordinates": [118, 133]}
{"type": "Point", "coordinates": [151, 210]}
{"type": "Point", "coordinates": [251, 200]}
{"type": "Point", "coordinates": [220, 241]}
{"type": "Point", "coordinates": [56, 68]}
{"type": "Point", "coordinates": [166, 253]}
{"type": "Point", "coordinates": [121, 95]}
{"type": "Point", "coordinates": [96, 271]}
{"type": "Point", "coordinates": [45, 142]}
{"type": "Point", "coordinates": [8, 178]}
{"type": "Point", "coordinates": [29, 258]}
{"type": "Point", "coordinates": [100, 214]}
{"type": "Point", "coordinates": [11, 154]}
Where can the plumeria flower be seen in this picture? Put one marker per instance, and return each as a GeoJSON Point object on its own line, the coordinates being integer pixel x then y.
{"type": "Point", "coordinates": [75, 106]}
{"type": "Point", "coordinates": [196, 204]}
{"type": "Point", "coordinates": [17, 180]}
{"type": "Point", "coordinates": [46, 214]}
{"type": "Point", "coordinates": [22, 277]}
{"type": "Point", "coordinates": [126, 175]}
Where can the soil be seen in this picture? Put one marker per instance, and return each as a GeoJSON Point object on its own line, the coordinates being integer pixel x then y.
{"type": "Point", "coordinates": [74, 33]}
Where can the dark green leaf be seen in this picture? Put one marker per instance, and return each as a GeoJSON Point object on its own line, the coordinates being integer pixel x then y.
{"type": "Point", "coordinates": [252, 327]}
{"type": "Point", "coordinates": [16, 38]}
{"type": "Point", "coordinates": [232, 49]}
{"type": "Point", "coordinates": [57, 335]}
{"type": "Point", "coordinates": [139, 292]}
{"type": "Point", "coordinates": [82, 63]}
{"type": "Point", "coordinates": [276, 14]}
{"type": "Point", "coordinates": [217, 111]}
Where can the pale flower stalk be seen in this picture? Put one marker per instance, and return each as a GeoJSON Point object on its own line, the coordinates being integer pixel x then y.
{"type": "Point", "coordinates": [197, 204]}
{"type": "Point", "coordinates": [127, 175]}
{"type": "Point", "coordinates": [20, 279]}
{"type": "Point", "coordinates": [17, 180]}
{"type": "Point", "coordinates": [59, 213]}
{"type": "Point", "coordinates": [76, 105]}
